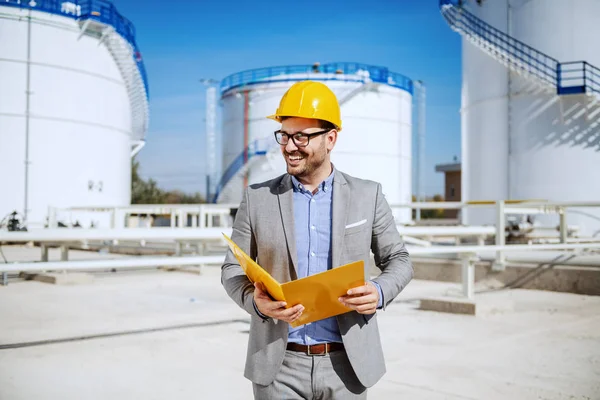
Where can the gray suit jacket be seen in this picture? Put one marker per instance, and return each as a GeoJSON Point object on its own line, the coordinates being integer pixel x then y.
{"type": "Point", "coordinates": [264, 229]}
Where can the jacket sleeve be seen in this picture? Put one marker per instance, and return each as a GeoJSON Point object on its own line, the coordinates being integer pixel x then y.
{"type": "Point", "coordinates": [391, 256]}
{"type": "Point", "coordinates": [234, 280]}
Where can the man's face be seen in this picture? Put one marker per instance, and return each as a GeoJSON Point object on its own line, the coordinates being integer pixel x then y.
{"type": "Point", "coordinates": [306, 161]}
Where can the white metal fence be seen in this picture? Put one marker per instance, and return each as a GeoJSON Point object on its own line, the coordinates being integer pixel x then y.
{"type": "Point", "coordinates": [210, 221]}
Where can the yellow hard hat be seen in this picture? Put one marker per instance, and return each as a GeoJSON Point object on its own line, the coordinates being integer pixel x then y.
{"type": "Point", "coordinates": [309, 99]}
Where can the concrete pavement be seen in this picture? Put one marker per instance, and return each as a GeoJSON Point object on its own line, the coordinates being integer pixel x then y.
{"type": "Point", "coordinates": [176, 335]}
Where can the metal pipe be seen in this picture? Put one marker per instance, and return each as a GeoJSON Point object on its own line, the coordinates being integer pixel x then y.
{"type": "Point", "coordinates": [495, 248]}
{"type": "Point", "coordinates": [75, 235]}
{"type": "Point", "coordinates": [134, 262]}
{"type": "Point", "coordinates": [27, 109]}
{"type": "Point", "coordinates": [120, 263]}
{"type": "Point", "coordinates": [500, 262]}
{"type": "Point", "coordinates": [430, 205]}
{"type": "Point", "coordinates": [187, 233]}
{"type": "Point", "coordinates": [446, 230]}
{"type": "Point", "coordinates": [420, 136]}
{"type": "Point", "coordinates": [468, 275]}
{"type": "Point", "coordinates": [563, 225]}
{"type": "Point", "coordinates": [139, 145]}
{"type": "Point", "coordinates": [246, 132]}
{"type": "Point", "coordinates": [211, 138]}
{"type": "Point", "coordinates": [418, 242]}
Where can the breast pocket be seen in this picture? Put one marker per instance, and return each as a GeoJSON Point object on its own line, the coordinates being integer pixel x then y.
{"type": "Point", "coordinates": [357, 238]}
{"type": "Point", "coordinates": [355, 227]}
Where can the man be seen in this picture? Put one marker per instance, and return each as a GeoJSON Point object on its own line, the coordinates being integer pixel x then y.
{"type": "Point", "coordinates": [309, 220]}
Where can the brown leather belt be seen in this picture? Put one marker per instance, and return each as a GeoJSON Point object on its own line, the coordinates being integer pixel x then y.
{"type": "Point", "coordinates": [316, 349]}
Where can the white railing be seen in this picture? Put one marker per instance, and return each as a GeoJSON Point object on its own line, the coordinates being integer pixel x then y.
{"type": "Point", "coordinates": [204, 214]}
{"type": "Point", "coordinates": [198, 215]}
{"type": "Point", "coordinates": [220, 215]}
{"type": "Point", "coordinates": [468, 253]}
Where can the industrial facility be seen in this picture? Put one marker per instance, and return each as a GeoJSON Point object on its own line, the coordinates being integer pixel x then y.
{"type": "Point", "coordinates": [73, 107]}
{"type": "Point", "coordinates": [530, 116]}
{"type": "Point", "coordinates": [101, 298]}
{"type": "Point", "coordinates": [530, 104]}
{"type": "Point", "coordinates": [374, 102]}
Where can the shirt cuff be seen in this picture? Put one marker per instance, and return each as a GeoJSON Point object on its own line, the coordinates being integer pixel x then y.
{"type": "Point", "coordinates": [258, 312]}
{"type": "Point", "coordinates": [380, 304]}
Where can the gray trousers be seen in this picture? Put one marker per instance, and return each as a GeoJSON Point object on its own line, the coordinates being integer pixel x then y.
{"type": "Point", "coordinates": [306, 377]}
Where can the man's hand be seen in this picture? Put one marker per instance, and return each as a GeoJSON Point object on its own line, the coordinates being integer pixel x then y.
{"type": "Point", "coordinates": [275, 309]}
{"type": "Point", "coordinates": [364, 299]}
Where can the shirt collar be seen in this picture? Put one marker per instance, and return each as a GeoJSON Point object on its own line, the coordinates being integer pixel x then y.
{"type": "Point", "coordinates": [325, 186]}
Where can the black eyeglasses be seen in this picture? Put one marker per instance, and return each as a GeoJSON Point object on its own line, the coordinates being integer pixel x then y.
{"type": "Point", "coordinates": [300, 139]}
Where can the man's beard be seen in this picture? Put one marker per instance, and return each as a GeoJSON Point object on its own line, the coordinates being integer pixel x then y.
{"type": "Point", "coordinates": [309, 164]}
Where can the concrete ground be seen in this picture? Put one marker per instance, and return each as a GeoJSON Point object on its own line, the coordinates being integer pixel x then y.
{"type": "Point", "coordinates": [176, 335]}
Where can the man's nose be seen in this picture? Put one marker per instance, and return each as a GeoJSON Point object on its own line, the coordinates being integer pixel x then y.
{"type": "Point", "coordinates": [290, 146]}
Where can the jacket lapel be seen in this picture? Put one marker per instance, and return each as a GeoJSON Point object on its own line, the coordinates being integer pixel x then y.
{"type": "Point", "coordinates": [341, 197]}
{"type": "Point", "coordinates": [286, 209]}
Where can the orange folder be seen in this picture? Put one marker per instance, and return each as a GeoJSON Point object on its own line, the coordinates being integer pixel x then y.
{"type": "Point", "coordinates": [318, 293]}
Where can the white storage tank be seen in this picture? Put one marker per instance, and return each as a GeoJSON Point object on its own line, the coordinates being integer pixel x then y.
{"type": "Point", "coordinates": [520, 139]}
{"type": "Point", "coordinates": [375, 142]}
{"type": "Point", "coordinates": [73, 107]}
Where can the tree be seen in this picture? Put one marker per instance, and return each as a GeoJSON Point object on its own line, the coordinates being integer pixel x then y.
{"type": "Point", "coordinates": [435, 213]}
{"type": "Point", "coordinates": [148, 192]}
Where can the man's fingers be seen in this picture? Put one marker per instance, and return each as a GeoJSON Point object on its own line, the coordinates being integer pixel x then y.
{"type": "Point", "coordinates": [361, 290]}
{"type": "Point", "coordinates": [291, 311]}
{"type": "Point", "coordinates": [355, 301]}
{"type": "Point", "coordinates": [277, 310]}
{"type": "Point", "coordinates": [293, 317]}
{"type": "Point", "coordinates": [366, 309]}
{"type": "Point", "coordinates": [290, 314]}
{"type": "Point", "coordinates": [275, 305]}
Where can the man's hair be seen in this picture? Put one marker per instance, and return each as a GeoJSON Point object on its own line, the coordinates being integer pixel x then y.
{"type": "Point", "coordinates": [322, 123]}
{"type": "Point", "coordinates": [326, 125]}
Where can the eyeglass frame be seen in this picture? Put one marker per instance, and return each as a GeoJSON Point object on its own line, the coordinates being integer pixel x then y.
{"type": "Point", "coordinates": [308, 136]}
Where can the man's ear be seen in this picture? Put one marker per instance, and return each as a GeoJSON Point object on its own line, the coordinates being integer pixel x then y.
{"type": "Point", "coordinates": [331, 139]}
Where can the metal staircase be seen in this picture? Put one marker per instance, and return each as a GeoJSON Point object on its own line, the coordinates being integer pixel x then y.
{"type": "Point", "coordinates": [123, 55]}
{"type": "Point", "coordinates": [543, 73]}
{"type": "Point", "coordinates": [235, 173]}
{"type": "Point", "coordinates": [125, 58]}
{"type": "Point", "coordinates": [101, 19]}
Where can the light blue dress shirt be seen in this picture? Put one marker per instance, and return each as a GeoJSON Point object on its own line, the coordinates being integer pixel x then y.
{"type": "Point", "coordinates": [312, 221]}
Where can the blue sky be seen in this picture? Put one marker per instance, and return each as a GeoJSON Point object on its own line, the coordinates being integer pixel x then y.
{"type": "Point", "coordinates": [184, 42]}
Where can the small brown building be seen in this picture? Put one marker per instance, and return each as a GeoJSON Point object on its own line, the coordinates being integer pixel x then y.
{"type": "Point", "coordinates": [452, 178]}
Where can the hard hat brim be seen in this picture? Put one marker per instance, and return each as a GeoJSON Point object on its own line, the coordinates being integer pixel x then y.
{"type": "Point", "coordinates": [277, 118]}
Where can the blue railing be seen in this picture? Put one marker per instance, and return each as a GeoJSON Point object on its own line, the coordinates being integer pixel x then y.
{"type": "Point", "coordinates": [567, 77]}
{"type": "Point", "coordinates": [578, 77]}
{"type": "Point", "coordinates": [257, 148]}
{"type": "Point", "coordinates": [99, 10]}
{"type": "Point", "coordinates": [342, 71]}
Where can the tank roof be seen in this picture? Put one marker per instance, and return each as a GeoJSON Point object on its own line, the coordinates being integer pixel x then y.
{"type": "Point", "coordinates": [339, 71]}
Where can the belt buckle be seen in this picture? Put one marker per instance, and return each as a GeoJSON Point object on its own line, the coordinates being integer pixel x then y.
{"type": "Point", "coordinates": [317, 354]}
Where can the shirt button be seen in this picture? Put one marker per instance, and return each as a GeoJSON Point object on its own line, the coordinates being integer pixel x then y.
{"type": "Point", "coordinates": [312, 200]}
{"type": "Point", "coordinates": [312, 253]}
{"type": "Point", "coordinates": [312, 227]}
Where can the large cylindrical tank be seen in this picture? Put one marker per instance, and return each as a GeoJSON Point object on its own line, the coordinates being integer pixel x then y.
{"type": "Point", "coordinates": [520, 140]}
{"type": "Point", "coordinates": [375, 142]}
{"type": "Point", "coordinates": [69, 113]}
